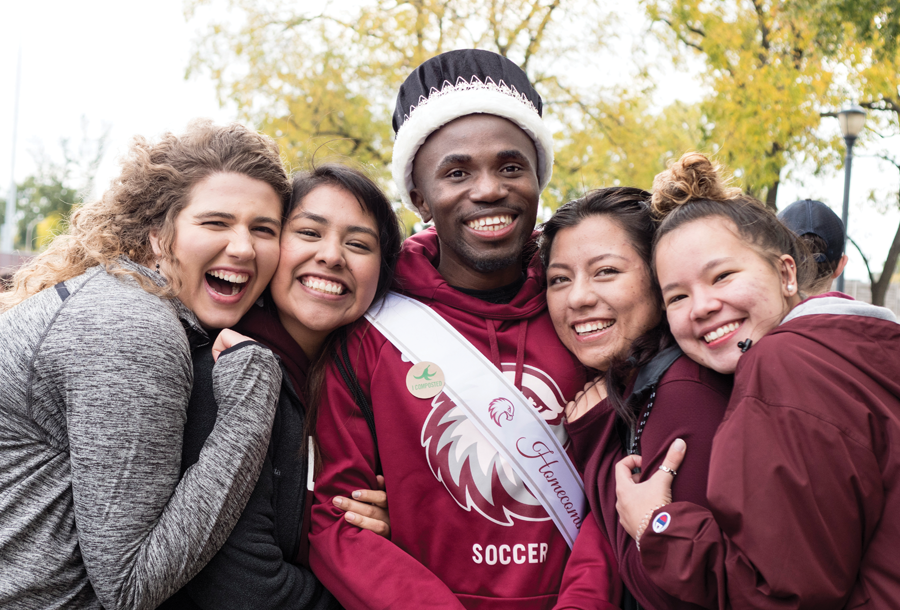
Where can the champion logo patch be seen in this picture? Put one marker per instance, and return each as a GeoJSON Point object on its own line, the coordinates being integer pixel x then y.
{"type": "Point", "coordinates": [661, 522]}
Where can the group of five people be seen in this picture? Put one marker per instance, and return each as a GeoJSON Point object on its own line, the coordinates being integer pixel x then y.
{"type": "Point", "coordinates": [216, 380]}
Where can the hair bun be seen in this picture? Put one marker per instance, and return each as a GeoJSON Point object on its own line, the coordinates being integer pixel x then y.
{"type": "Point", "coordinates": [690, 178]}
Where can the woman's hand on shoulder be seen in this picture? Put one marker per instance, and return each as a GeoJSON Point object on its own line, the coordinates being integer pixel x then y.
{"type": "Point", "coordinates": [368, 509]}
{"type": "Point", "coordinates": [227, 339]}
{"type": "Point", "coordinates": [594, 393]}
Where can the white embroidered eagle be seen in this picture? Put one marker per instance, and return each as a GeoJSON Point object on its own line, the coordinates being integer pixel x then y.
{"type": "Point", "coordinates": [469, 466]}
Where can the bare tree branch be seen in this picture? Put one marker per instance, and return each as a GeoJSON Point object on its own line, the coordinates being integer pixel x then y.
{"type": "Point", "coordinates": [681, 38]}
{"type": "Point", "coordinates": [763, 30]}
{"type": "Point", "coordinates": [865, 260]}
{"type": "Point", "coordinates": [534, 41]}
{"type": "Point", "coordinates": [885, 104]}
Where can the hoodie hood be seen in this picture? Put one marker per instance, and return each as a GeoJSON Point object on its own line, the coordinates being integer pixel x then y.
{"type": "Point", "coordinates": [839, 304]}
{"type": "Point", "coordinates": [833, 332]}
{"type": "Point", "coordinates": [417, 276]}
{"type": "Point", "coordinates": [502, 332]}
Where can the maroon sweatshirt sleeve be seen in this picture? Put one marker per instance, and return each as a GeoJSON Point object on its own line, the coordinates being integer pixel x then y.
{"type": "Point", "coordinates": [790, 494]}
{"type": "Point", "coordinates": [685, 407]}
{"type": "Point", "coordinates": [590, 562]}
{"type": "Point", "coordinates": [362, 569]}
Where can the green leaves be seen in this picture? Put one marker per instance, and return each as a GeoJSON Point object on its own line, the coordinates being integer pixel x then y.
{"type": "Point", "coordinates": [323, 80]}
{"type": "Point", "coordinates": [769, 80]}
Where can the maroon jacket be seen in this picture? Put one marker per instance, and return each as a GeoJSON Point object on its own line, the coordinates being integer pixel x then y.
{"type": "Point", "coordinates": [465, 531]}
{"type": "Point", "coordinates": [690, 402]}
{"type": "Point", "coordinates": [805, 472]}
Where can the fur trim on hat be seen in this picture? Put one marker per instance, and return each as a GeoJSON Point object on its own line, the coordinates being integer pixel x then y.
{"type": "Point", "coordinates": [453, 102]}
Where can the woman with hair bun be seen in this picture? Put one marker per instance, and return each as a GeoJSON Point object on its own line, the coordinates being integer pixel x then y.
{"type": "Point", "coordinates": [96, 375]}
{"type": "Point", "coordinates": [804, 468]}
{"type": "Point", "coordinates": [606, 308]}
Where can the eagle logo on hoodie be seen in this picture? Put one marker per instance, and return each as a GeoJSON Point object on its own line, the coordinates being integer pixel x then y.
{"type": "Point", "coordinates": [501, 407]}
{"type": "Point", "coordinates": [469, 466]}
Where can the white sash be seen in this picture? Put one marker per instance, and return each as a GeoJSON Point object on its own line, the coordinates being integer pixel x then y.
{"type": "Point", "coordinates": [522, 437]}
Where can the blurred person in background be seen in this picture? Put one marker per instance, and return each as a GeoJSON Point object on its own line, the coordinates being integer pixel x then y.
{"type": "Point", "coordinates": [822, 232]}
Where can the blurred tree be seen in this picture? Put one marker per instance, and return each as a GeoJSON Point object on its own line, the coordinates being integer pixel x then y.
{"type": "Point", "coordinates": [45, 199]}
{"type": "Point", "coordinates": [622, 142]}
{"type": "Point", "coordinates": [840, 22]}
{"type": "Point", "coordinates": [880, 281]}
{"type": "Point", "coordinates": [327, 77]}
{"type": "Point", "coordinates": [768, 79]}
{"type": "Point", "coordinates": [871, 56]}
{"type": "Point", "coordinates": [323, 81]}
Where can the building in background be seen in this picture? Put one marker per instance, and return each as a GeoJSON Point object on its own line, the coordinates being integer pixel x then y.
{"type": "Point", "coordinates": [9, 262]}
{"type": "Point", "coordinates": [862, 291]}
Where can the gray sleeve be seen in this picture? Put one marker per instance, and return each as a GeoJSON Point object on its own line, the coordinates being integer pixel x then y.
{"type": "Point", "coordinates": [143, 534]}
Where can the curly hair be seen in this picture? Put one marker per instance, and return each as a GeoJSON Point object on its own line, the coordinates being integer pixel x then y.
{"type": "Point", "coordinates": [155, 184]}
{"type": "Point", "coordinates": [690, 178]}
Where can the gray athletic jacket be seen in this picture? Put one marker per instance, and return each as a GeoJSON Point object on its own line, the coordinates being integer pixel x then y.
{"type": "Point", "coordinates": [95, 379]}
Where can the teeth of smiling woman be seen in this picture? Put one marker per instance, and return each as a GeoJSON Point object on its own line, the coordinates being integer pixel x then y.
{"type": "Point", "coordinates": [322, 285]}
{"type": "Point", "coordinates": [590, 327]}
{"type": "Point", "coordinates": [234, 278]}
{"type": "Point", "coordinates": [720, 332]}
{"type": "Point", "coordinates": [492, 223]}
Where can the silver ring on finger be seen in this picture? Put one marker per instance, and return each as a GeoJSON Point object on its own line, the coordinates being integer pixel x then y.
{"type": "Point", "coordinates": [669, 470]}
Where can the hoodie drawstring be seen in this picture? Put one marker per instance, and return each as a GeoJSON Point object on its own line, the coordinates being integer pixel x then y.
{"type": "Point", "coordinates": [520, 349]}
{"type": "Point", "coordinates": [495, 347]}
{"type": "Point", "coordinates": [520, 352]}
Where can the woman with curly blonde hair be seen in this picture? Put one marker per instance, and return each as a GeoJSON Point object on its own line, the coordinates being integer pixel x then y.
{"type": "Point", "coordinates": [96, 337]}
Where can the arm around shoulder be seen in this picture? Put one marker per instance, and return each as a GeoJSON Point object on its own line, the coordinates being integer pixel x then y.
{"type": "Point", "coordinates": [250, 570]}
{"type": "Point", "coordinates": [363, 570]}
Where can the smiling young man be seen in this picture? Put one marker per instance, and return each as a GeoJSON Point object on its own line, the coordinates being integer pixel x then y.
{"type": "Point", "coordinates": [462, 373]}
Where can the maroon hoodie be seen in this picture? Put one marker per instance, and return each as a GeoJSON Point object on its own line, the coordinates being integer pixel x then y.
{"type": "Point", "coordinates": [804, 476]}
{"type": "Point", "coordinates": [465, 531]}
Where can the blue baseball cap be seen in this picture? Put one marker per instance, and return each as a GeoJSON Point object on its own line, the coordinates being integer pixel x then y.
{"type": "Point", "coordinates": [809, 216]}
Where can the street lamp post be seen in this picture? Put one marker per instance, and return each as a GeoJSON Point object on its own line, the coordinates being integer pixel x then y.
{"type": "Point", "coordinates": [8, 230]}
{"type": "Point", "coordinates": [852, 118]}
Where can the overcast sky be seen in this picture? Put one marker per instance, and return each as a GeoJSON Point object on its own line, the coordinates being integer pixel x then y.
{"type": "Point", "coordinates": [122, 63]}
{"type": "Point", "coordinates": [115, 62]}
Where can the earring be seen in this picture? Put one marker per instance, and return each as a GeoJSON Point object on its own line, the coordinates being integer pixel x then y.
{"type": "Point", "coordinates": [157, 267]}
{"type": "Point", "coordinates": [789, 286]}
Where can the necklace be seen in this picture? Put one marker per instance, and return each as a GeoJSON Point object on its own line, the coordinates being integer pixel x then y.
{"type": "Point", "coordinates": [641, 424]}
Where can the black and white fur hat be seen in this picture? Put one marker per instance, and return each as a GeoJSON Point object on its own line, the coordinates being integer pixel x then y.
{"type": "Point", "coordinates": [456, 84]}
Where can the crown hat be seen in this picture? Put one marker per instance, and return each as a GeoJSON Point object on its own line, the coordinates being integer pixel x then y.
{"type": "Point", "coordinates": [456, 84]}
